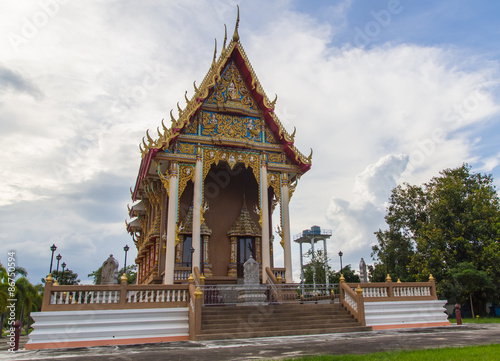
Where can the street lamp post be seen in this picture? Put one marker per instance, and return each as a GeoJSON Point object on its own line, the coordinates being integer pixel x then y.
{"type": "Point", "coordinates": [62, 274]}
{"type": "Point", "coordinates": [126, 248]}
{"type": "Point", "coordinates": [340, 255]}
{"type": "Point", "coordinates": [58, 257]}
{"type": "Point", "coordinates": [53, 249]}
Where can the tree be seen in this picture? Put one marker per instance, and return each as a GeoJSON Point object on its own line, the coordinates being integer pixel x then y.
{"type": "Point", "coordinates": [317, 268]}
{"type": "Point", "coordinates": [68, 277]}
{"type": "Point", "coordinates": [28, 299]}
{"type": "Point", "coordinates": [452, 219]}
{"type": "Point", "coordinates": [315, 271]}
{"type": "Point", "coordinates": [468, 283]}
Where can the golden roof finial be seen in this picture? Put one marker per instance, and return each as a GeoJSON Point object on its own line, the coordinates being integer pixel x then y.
{"type": "Point", "coordinates": [174, 122]}
{"type": "Point", "coordinates": [215, 54]}
{"type": "Point", "coordinates": [223, 51]}
{"type": "Point", "coordinates": [236, 36]}
{"type": "Point", "coordinates": [310, 156]}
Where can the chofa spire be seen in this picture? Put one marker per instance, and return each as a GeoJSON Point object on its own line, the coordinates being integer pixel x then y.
{"type": "Point", "coordinates": [236, 36]}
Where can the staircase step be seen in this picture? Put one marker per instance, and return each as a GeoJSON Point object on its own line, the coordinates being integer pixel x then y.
{"type": "Point", "coordinates": [274, 318]}
{"type": "Point", "coordinates": [232, 321]}
{"type": "Point", "coordinates": [332, 309]}
{"type": "Point", "coordinates": [253, 334]}
{"type": "Point", "coordinates": [275, 326]}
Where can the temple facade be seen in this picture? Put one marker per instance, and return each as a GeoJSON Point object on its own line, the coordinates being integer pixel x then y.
{"type": "Point", "coordinates": [209, 183]}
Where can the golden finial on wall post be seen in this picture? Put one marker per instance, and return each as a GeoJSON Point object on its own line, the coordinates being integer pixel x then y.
{"type": "Point", "coordinates": [359, 290]}
{"type": "Point", "coordinates": [236, 36]}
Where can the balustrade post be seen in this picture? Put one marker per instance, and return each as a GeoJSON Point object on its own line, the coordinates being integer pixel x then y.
{"type": "Point", "coordinates": [47, 291]}
{"type": "Point", "coordinates": [197, 311]}
{"type": "Point", "coordinates": [390, 290]}
{"type": "Point", "coordinates": [361, 306]}
{"type": "Point", "coordinates": [433, 287]}
{"type": "Point", "coordinates": [123, 289]}
{"type": "Point", "coordinates": [341, 289]}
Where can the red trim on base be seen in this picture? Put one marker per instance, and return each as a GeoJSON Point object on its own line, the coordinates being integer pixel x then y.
{"type": "Point", "coordinates": [90, 343]}
{"type": "Point", "coordinates": [410, 325]}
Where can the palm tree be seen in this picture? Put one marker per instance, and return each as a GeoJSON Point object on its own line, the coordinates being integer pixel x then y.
{"type": "Point", "coordinates": [28, 299]}
{"type": "Point", "coordinates": [4, 296]}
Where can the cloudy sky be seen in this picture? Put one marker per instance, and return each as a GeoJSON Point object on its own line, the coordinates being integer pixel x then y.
{"type": "Point", "coordinates": [384, 92]}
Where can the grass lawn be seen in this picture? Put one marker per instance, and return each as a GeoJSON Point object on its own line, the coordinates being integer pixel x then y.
{"type": "Point", "coordinates": [486, 353]}
{"type": "Point", "coordinates": [477, 320]}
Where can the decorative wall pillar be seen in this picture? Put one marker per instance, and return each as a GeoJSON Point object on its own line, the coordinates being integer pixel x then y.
{"type": "Point", "coordinates": [171, 223]}
{"type": "Point", "coordinates": [198, 186]}
{"type": "Point", "coordinates": [258, 250]}
{"type": "Point", "coordinates": [264, 203]}
{"type": "Point", "coordinates": [162, 240]}
{"type": "Point", "coordinates": [207, 266]}
{"type": "Point", "coordinates": [285, 226]}
{"type": "Point", "coordinates": [234, 253]}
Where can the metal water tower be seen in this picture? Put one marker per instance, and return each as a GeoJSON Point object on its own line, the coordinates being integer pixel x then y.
{"type": "Point", "coordinates": [312, 236]}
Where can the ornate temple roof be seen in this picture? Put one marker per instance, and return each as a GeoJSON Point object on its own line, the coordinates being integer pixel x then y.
{"type": "Point", "coordinates": [232, 55]}
{"type": "Point", "coordinates": [244, 225]}
{"type": "Point", "coordinates": [187, 225]}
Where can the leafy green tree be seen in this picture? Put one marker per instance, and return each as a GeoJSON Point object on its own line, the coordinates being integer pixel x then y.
{"type": "Point", "coordinates": [131, 273]}
{"type": "Point", "coordinates": [349, 275]}
{"type": "Point", "coordinates": [96, 275]}
{"type": "Point", "coordinates": [317, 269]}
{"type": "Point", "coordinates": [68, 277]}
{"type": "Point", "coordinates": [28, 299]}
{"type": "Point", "coordinates": [467, 284]}
{"type": "Point", "coordinates": [452, 219]}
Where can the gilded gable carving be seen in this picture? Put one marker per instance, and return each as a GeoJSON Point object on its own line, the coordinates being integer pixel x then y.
{"type": "Point", "coordinates": [231, 126]}
{"type": "Point", "coordinates": [270, 136]}
{"type": "Point", "coordinates": [231, 90]}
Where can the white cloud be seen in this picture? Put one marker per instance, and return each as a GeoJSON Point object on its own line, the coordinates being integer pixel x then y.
{"type": "Point", "coordinates": [355, 221]}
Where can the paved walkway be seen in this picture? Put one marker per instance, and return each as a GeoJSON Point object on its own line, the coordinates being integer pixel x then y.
{"type": "Point", "coordinates": [276, 348]}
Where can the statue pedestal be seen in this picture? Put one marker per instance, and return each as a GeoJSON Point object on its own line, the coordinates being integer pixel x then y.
{"type": "Point", "coordinates": [252, 292]}
{"type": "Point", "coordinates": [252, 295]}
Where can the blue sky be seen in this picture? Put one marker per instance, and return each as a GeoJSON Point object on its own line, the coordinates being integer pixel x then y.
{"type": "Point", "coordinates": [384, 92]}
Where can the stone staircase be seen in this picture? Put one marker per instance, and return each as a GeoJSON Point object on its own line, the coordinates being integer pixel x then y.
{"type": "Point", "coordinates": [232, 322]}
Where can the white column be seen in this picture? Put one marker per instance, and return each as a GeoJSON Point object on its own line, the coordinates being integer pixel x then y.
{"type": "Point", "coordinates": [264, 203]}
{"type": "Point", "coordinates": [285, 216]}
{"type": "Point", "coordinates": [197, 244]}
{"type": "Point", "coordinates": [171, 222]}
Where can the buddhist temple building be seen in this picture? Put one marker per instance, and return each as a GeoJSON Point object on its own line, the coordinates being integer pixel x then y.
{"type": "Point", "coordinates": [208, 183]}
